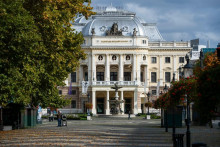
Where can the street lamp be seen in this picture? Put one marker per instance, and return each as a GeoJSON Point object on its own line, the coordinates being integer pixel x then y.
{"type": "Point", "coordinates": [174, 125]}
{"type": "Point", "coordinates": [188, 71]}
{"type": "Point", "coordinates": [148, 96]}
{"type": "Point", "coordinates": [165, 89]}
{"type": "Point", "coordinates": [88, 102]}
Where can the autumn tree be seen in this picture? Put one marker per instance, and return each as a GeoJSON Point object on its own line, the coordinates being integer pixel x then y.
{"type": "Point", "coordinates": [39, 49]}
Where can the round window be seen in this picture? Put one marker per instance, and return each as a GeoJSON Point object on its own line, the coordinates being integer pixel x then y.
{"type": "Point", "coordinates": [100, 57]}
{"type": "Point", "coordinates": [114, 57]}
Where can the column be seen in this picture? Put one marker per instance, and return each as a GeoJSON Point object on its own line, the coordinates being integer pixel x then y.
{"type": "Point", "coordinates": [121, 69]}
{"type": "Point", "coordinates": [89, 64]}
{"type": "Point", "coordinates": [107, 111]}
{"type": "Point", "coordinates": [135, 102]}
{"type": "Point", "coordinates": [138, 68]}
{"type": "Point", "coordinates": [134, 67]}
{"type": "Point", "coordinates": [107, 68]}
{"type": "Point", "coordinates": [93, 68]}
{"type": "Point", "coordinates": [122, 104]}
{"type": "Point", "coordinates": [94, 102]}
{"type": "Point", "coordinates": [145, 87]}
{"type": "Point", "coordinates": [161, 71]}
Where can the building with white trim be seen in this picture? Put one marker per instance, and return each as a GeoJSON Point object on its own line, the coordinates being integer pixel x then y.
{"type": "Point", "coordinates": [121, 48]}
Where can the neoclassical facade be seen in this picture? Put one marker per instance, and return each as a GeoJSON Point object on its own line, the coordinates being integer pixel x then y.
{"type": "Point", "coordinates": [121, 48]}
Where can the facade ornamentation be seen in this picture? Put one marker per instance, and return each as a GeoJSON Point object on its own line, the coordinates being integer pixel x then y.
{"type": "Point", "coordinates": [114, 31]}
{"type": "Point", "coordinates": [93, 31]}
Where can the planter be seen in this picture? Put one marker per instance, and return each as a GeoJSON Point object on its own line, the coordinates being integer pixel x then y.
{"type": "Point", "coordinates": [148, 116]}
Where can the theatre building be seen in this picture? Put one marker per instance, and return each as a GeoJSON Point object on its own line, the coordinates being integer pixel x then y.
{"type": "Point", "coordinates": [124, 49]}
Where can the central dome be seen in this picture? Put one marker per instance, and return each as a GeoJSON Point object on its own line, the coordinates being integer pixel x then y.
{"type": "Point", "coordinates": [127, 24]}
{"type": "Point", "coordinates": [102, 22]}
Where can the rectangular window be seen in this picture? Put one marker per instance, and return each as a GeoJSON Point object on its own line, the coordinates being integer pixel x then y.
{"type": "Point", "coordinates": [144, 41]}
{"type": "Point", "coordinates": [100, 76]}
{"type": "Point", "coordinates": [73, 92]}
{"type": "Point", "coordinates": [154, 92]}
{"type": "Point", "coordinates": [153, 77]}
{"type": "Point", "coordinates": [167, 59]}
{"type": "Point", "coordinates": [127, 76]}
{"type": "Point", "coordinates": [142, 77]}
{"type": "Point", "coordinates": [181, 59]}
{"type": "Point", "coordinates": [153, 59]}
{"type": "Point", "coordinates": [167, 76]}
{"type": "Point", "coordinates": [113, 76]}
{"type": "Point", "coordinates": [86, 76]}
{"type": "Point", "coordinates": [73, 77]}
{"type": "Point", "coordinates": [73, 104]}
{"type": "Point", "coordinates": [60, 92]}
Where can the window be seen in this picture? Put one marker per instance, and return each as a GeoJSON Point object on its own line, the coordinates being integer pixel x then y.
{"type": "Point", "coordinates": [127, 57]}
{"type": "Point", "coordinates": [144, 41]}
{"type": "Point", "coordinates": [100, 57]}
{"type": "Point", "coordinates": [142, 77]}
{"type": "Point", "coordinates": [144, 57]}
{"type": "Point", "coordinates": [181, 59]}
{"type": "Point", "coordinates": [167, 59]}
{"type": "Point", "coordinates": [167, 76]}
{"type": "Point", "coordinates": [73, 77]}
{"type": "Point", "coordinates": [127, 76]}
{"type": "Point", "coordinates": [153, 59]}
{"type": "Point", "coordinates": [113, 76]}
{"type": "Point", "coordinates": [86, 76]}
{"type": "Point", "coordinates": [60, 92]}
{"type": "Point", "coordinates": [100, 76]}
{"type": "Point", "coordinates": [73, 92]}
{"type": "Point", "coordinates": [154, 92]}
{"type": "Point", "coordinates": [114, 57]}
{"type": "Point", "coordinates": [73, 104]}
{"type": "Point", "coordinates": [153, 77]}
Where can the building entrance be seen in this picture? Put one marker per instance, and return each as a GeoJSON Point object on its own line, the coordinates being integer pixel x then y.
{"type": "Point", "coordinates": [100, 105]}
{"type": "Point", "coordinates": [128, 105]}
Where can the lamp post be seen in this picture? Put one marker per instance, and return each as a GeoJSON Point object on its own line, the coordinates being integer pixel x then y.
{"type": "Point", "coordinates": [174, 123]}
{"type": "Point", "coordinates": [165, 89]}
{"type": "Point", "coordinates": [162, 113]}
{"type": "Point", "coordinates": [148, 96]}
{"type": "Point", "coordinates": [188, 71]}
{"type": "Point", "coordinates": [88, 102]}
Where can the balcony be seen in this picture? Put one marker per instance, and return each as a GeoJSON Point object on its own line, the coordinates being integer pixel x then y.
{"type": "Point", "coordinates": [111, 83]}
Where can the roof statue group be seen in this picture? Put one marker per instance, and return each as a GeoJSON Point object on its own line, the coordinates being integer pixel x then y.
{"type": "Point", "coordinates": [114, 31]}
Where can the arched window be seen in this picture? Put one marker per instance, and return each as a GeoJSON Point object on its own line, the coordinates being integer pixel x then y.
{"type": "Point", "coordinates": [144, 57]}
{"type": "Point", "coordinates": [114, 57]}
{"type": "Point", "coordinates": [100, 57]}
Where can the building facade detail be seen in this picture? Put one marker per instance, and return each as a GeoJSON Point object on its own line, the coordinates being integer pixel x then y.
{"type": "Point", "coordinates": [135, 56]}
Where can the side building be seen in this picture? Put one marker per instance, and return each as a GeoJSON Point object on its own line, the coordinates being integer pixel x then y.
{"type": "Point", "coordinates": [121, 48]}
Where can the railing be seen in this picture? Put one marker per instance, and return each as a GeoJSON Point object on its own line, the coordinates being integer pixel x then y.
{"type": "Point", "coordinates": [110, 83]}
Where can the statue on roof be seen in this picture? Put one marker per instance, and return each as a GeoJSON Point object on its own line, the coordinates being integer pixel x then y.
{"type": "Point", "coordinates": [135, 32]}
{"type": "Point", "coordinates": [93, 31]}
{"type": "Point", "coordinates": [114, 30]}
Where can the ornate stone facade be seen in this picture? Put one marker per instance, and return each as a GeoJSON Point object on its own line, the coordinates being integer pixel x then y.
{"type": "Point", "coordinates": [137, 59]}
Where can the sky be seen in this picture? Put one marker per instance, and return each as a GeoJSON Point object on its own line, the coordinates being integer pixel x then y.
{"type": "Point", "coordinates": [176, 19]}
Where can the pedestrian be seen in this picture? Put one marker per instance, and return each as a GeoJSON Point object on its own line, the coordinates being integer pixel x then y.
{"type": "Point", "coordinates": [59, 117]}
{"type": "Point", "coordinates": [129, 114]}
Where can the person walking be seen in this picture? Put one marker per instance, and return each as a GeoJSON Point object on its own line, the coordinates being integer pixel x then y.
{"type": "Point", "coordinates": [59, 117]}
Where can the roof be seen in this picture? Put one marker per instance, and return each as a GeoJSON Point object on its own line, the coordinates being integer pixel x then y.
{"type": "Point", "coordinates": [126, 22]}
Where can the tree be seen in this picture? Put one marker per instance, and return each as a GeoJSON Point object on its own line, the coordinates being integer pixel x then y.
{"type": "Point", "coordinates": [208, 101]}
{"type": "Point", "coordinates": [39, 49]}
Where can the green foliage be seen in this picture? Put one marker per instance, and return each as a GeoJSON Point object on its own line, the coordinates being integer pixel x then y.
{"type": "Point", "coordinates": [39, 49]}
{"type": "Point", "coordinates": [154, 116]}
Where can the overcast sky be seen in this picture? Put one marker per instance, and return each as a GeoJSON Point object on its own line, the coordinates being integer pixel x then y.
{"type": "Point", "coordinates": [177, 19]}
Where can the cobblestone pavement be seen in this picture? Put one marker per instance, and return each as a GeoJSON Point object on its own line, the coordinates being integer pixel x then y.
{"type": "Point", "coordinates": [103, 132]}
{"type": "Point", "coordinates": [98, 132]}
